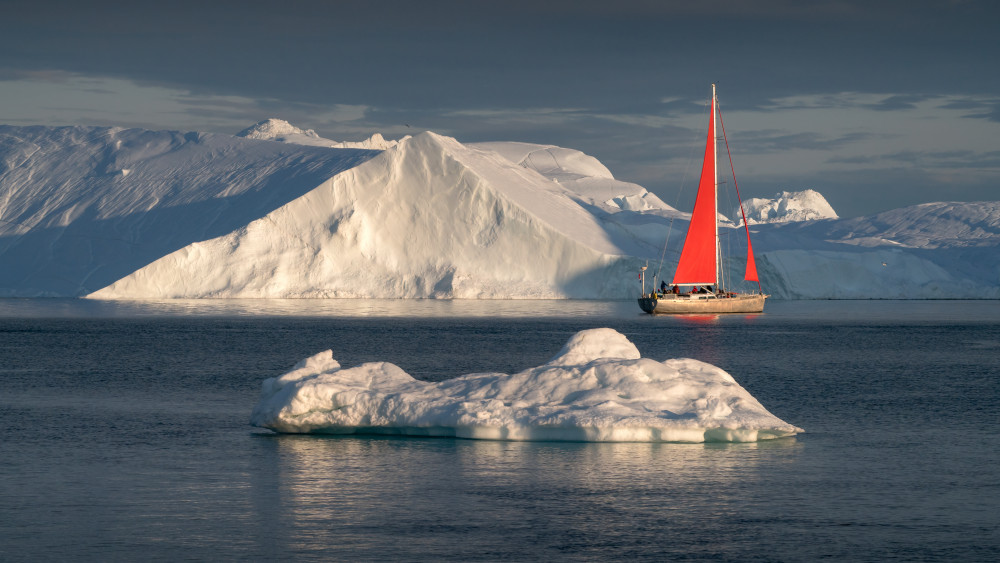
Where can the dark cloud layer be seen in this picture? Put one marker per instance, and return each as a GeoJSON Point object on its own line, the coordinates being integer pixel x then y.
{"type": "Point", "coordinates": [575, 70]}
{"type": "Point", "coordinates": [432, 54]}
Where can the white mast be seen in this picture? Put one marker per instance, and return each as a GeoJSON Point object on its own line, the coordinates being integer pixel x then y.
{"type": "Point", "coordinates": [715, 192]}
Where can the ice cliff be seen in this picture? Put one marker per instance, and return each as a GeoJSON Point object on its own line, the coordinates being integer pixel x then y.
{"type": "Point", "coordinates": [82, 207]}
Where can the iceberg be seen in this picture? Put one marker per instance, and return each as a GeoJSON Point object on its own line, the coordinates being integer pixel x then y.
{"type": "Point", "coordinates": [597, 389]}
{"type": "Point", "coordinates": [83, 207]}
{"type": "Point", "coordinates": [278, 212]}
{"type": "Point", "coordinates": [284, 132]}
{"type": "Point", "coordinates": [786, 207]}
{"type": "Point", "coordinates": [429, 218]}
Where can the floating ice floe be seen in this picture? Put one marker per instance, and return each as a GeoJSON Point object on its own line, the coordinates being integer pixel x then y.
{"type": "Point", "coordinates": [597, 389]}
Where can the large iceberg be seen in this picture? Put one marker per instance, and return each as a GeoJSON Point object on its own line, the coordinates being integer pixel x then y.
{"type": "Point", "coordinates": [280, 212]}
{"type": "Point", "coordinates": [597, 389]}
{"type": "Point", "coordinates": [82, 207]}
{"type": "Point", "coordinates": [427, 218]}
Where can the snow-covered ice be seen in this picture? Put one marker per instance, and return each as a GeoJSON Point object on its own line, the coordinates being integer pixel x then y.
{"type": "Point", "coordinates": [427, 218]}
{"type": "Point", "coordinates": [280, 212]}
{"type": "Point", "coordinates": [597, 389]}
{"type": "Point", "coordinates": [284, 132]}
{"type": "Point", "coordinates": [806, 205]}
{"type": "Point", "coordinates": [82, 207]}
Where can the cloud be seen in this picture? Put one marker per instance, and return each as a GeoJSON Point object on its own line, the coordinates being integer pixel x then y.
{"type": "Point", "coordinates": [520, 53]}
{"type": "Point", "coordinates": [37, 75]}
{"type": "Point", "coordinates": [976, 107]}
{"type": "Point", "coordinates": [849, 100]}
{"type": "Point", "coordinates": [957, 159]}
{"type": "Point", "coordinates": [778, 141]}
{"type": "Point", "coordinates": [900, 102]}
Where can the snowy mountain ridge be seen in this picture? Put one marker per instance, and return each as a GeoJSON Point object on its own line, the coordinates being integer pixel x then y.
{"type": "Point", "coordinates": [128, 213]}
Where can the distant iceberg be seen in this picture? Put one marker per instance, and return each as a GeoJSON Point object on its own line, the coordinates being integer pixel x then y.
{"type": "Point", "coordinates": [597, 389]}
{"type": "Point", "coordinates": [284, 132]}
{"type": "Point", "coordinates": [786, 207]}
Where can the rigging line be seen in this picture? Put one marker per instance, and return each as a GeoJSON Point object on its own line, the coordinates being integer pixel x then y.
{"type": "Point", "coordinates": [677, 201]}
{"type": "Point", "coordinates": [727, 233]}
{"type": "Point", "coordinates": [725, 241]}
{"type": "Point", "coordinates": [663, 253]}
{"type": "Point", "coordinates": [737, 186]}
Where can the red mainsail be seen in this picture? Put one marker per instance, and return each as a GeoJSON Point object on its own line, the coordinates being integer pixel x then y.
{"type": "Point", "coordinates": [698, 261]}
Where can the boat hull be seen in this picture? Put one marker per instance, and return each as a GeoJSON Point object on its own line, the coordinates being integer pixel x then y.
{"type": "Point", "coordinates": [700, 303]}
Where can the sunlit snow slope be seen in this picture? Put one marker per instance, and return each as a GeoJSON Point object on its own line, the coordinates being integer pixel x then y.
{"type": "Point", "coordinates": [426, 218]}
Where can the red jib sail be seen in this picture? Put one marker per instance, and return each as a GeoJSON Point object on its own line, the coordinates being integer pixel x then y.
{"type": "Point", "coordinates": [697, 264]}
{"type": "Point", "coordinates": [751, 272]}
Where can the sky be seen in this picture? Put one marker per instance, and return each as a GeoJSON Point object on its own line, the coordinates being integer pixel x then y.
{"type": "Point", "coordinates": [875, 104]}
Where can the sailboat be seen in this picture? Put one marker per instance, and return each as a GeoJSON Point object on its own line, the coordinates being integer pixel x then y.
{"type": "Point", "coordinates": [698, 281]}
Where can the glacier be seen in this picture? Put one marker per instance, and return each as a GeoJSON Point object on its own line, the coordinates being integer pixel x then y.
{"type": "Point", "coordinates": [279, 212]}
{"type": "Point", "coordinates": [597, 389]}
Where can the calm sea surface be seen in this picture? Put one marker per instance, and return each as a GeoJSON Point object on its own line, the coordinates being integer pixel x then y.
{"type": "Point", "coordinates": [125, 437]}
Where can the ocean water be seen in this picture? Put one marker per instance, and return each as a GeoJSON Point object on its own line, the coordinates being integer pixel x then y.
{"type": "Point", "coordinates": [125, 437]}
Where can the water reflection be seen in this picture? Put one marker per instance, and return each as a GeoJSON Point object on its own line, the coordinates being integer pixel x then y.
{"type": "Point", "coordinates": [699, 319]}
{"type": "Point", "coordinates": [874, 311]}
{"type": "Point", "coordinates": [712, 319]}
{"type": "Point", "coordinates": [380, 497]}
{"type": "Point", "coordinates": [73, 308]}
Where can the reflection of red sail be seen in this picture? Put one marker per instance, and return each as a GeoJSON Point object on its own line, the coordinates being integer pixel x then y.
{"type": "Point", "coordinates": [700, 319]}
{"type": "Point", "coordinates": [697, 264]}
